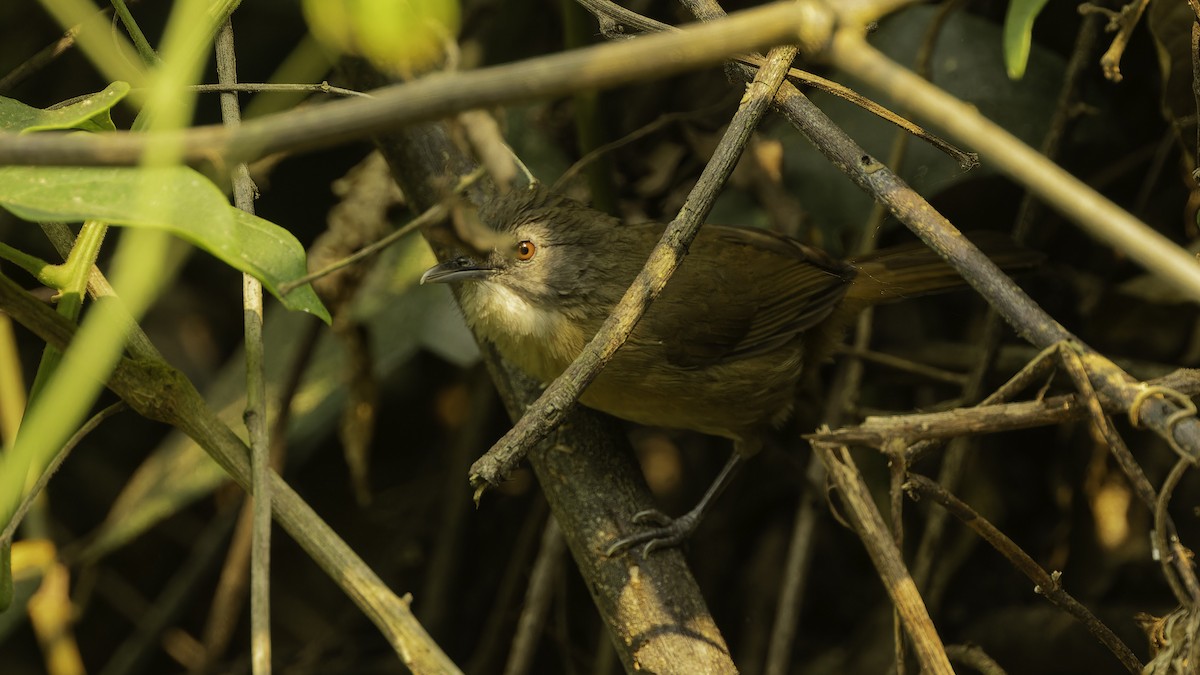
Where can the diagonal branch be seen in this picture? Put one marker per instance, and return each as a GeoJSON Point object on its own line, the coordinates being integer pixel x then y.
{"type": "Point", "coordinates": [396, 106]}
{"type": "Point", "coordinates": [1059, 189]}
{"type": "Point", "coordinates": [1048, 585]}
{"type": "Point", "coordinates": [157, 391]}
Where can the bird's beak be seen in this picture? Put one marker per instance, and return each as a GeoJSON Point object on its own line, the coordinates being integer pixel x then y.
{"type": "Point", "coordinates": [458, 269]}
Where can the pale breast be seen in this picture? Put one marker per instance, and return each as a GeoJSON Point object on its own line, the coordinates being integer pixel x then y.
{"type": "Point", "coordinates": [540, 342]}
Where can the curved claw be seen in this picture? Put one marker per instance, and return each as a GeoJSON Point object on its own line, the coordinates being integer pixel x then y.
{"type": "Point", "coordinates": [652, 516]}
{"type": "Point", "coordinates": [670, 532]}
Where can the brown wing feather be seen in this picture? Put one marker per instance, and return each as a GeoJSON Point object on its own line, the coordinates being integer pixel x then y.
{"type": "Point", "coordinates": [796, 288]}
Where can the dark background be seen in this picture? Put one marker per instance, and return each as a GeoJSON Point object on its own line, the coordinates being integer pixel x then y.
{"type": "Point", "coordinates": [1052, 490]}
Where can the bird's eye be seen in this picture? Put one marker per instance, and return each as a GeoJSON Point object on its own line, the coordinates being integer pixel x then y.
{"type": "Point", "coordinates": [526, 250]}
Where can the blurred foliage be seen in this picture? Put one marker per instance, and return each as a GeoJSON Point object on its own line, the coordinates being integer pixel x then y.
{"type": "Point", "coordinates": [397, 36]}
{"type": "Point", "coordinates": [131, 505]}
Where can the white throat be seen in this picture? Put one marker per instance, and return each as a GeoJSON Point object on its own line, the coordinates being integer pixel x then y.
{"type": "Point", "coordinates": [541, 342]}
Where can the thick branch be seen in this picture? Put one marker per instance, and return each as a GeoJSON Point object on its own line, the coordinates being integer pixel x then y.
{"type": "Point", "coordinates": [654, 611]}
{"type": "Point", "coordinates": [396, 106]}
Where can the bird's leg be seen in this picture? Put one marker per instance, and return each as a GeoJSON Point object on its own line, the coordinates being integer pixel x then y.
{"type": "Point", "coordinates": [674, 531]}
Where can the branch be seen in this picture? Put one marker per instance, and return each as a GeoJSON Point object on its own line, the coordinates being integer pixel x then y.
{"type": "Point", "coordinates": [1059, 189]}
{"type": "Point", "coordinates": [873, 532]}
{"type": "Point", "coordinates": [656, 617]}
{"type": "Point", "coordinates": [1048, 584]}
{"type": "Point", "coordinates": [393, 107]}
{"type": "Point", "coordinates": [155, 390]}
{"type": "Point", "coordinates": [983, 419]}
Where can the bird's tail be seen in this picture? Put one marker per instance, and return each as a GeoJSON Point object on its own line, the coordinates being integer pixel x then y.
{"type": "Point", "coordinates": [912, 270]}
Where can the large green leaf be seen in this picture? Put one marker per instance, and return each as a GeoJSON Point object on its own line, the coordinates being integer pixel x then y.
{"type": "Point", "coordinates": [90, 113]}
{"type": "Point", "coordinates": [176, 199]}
{"type": "Point", "coordinates": [1018, 34]}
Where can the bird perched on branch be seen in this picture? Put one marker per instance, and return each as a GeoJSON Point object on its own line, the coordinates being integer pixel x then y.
{"type": "Point", "coordinates": [720, 351]}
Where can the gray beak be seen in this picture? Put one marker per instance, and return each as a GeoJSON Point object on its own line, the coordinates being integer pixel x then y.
{"type": "Point", "coordinates": [458, 269]}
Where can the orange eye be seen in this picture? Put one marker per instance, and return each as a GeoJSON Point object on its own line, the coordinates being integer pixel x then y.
{"type": "Point", "coordinates": [526, 250]}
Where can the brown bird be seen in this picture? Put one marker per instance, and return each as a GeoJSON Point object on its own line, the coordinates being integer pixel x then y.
{"type": "Point", "coordinates": [720, 351]}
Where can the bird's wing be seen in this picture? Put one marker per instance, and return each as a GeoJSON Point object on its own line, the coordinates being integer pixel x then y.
{"type": "Point", "coordinates": [742, 294]}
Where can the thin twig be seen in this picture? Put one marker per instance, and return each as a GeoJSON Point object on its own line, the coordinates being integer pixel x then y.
{"type": "Point", "coordinates": [260, 87]}
{"type": "Point", "coordinates": [897, 471]}
{"type": "Point", "coordinates": [255, 415]}
{"type": "Point", "coordinates": [430, 216]}
{"type": "Point", "coordinates": [1064, 112]}
{"type": "Point", "coordinates": [1048, 584]}
{"type": "Point", "coordinates": [791, 592]}
{"type": "Point", "coordinates": [989, 416]}
{"type": "Point", "coordinates": [1166, 543]}
{"type": "Point", "coordinates": [546, 568]}
{"type": "Point", "coordinates": [973, 656]}
{"type": "Point", "coordinates": [1182, 578]}
{"type": "Point", "coordinates": [39, 60]}
{"type": "Point", "coordinates": [889, 563]}
{"type": "Point", "coordinates": [645, 130]}
{"type": "Point", "coordinates": [61, 456]}
{"type": "Point", "coordinates": [496, 627]}
{"type": "Point", "coordinates": [130, 655]}
{"type": "Point", "coordinates": [1126, 20]}
{"type": "Point", "coordinates": [1087, 207]}
{"type": "Point", "coordinates": [613, 19]}
{"type": "Point", "coordinates": [903, 365]}
{"type": "Point", "coordinates": [157, 391]}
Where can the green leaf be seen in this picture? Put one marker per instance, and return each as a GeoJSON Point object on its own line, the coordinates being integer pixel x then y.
{"type": "Point", "coordinates": [399, 36]}
{"type": "Point", "coordinates": [1018, 34]}
{"type": "Point", "coordinates": [90, 113]}
{"type": "Point", "coordinates": [176, 199]}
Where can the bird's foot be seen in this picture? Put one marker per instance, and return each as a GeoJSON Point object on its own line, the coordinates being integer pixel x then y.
{"type": "Point", "coordinates": [667, 533]}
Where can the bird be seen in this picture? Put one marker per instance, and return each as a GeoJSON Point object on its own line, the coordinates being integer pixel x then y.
{"type": "Point", "coordinates": [722, 348]}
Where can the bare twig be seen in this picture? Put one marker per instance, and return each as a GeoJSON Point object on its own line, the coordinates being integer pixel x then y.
{"type": "Point", "coordinates": [873, 532]}
{"type": "Point", "coordinates": [965, 160]}
{"type": "Point", "coordinates": [1182, 578]}
{"type": "Point", "coordinates": [791, 592]}
{"type": "Point", "coordinates": [981, 419]}
{"type": "Point", "coordinates": [1175, 560]}
{"type": "Point", "coordinates": [1087, 207]}
{"type": "Point", "coordinates": [546, 569]}
{"type": "Point", "coordinates": [1048, 584]}
{"type": "Point", "coordinates": [255, 415]}
{"type": "Point", "coordinates": [614, 19]}
{"type": "Point", "coordinates": [39, 60]}
{"type": "Point", "coordinates": [427, 218]}
{"type": "Point", "coordinates": [973, 656]}
{"type": "Point", "coordinates": [260, 87]}
{"type": "Point", "coordinates": [155, 390]}
{"type": "Point", "coordinates": [903, 365]}
{"type": "Point", "coordinates": [61, 456]}
{"type": "Point", "coordinates": [1123, 22]}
